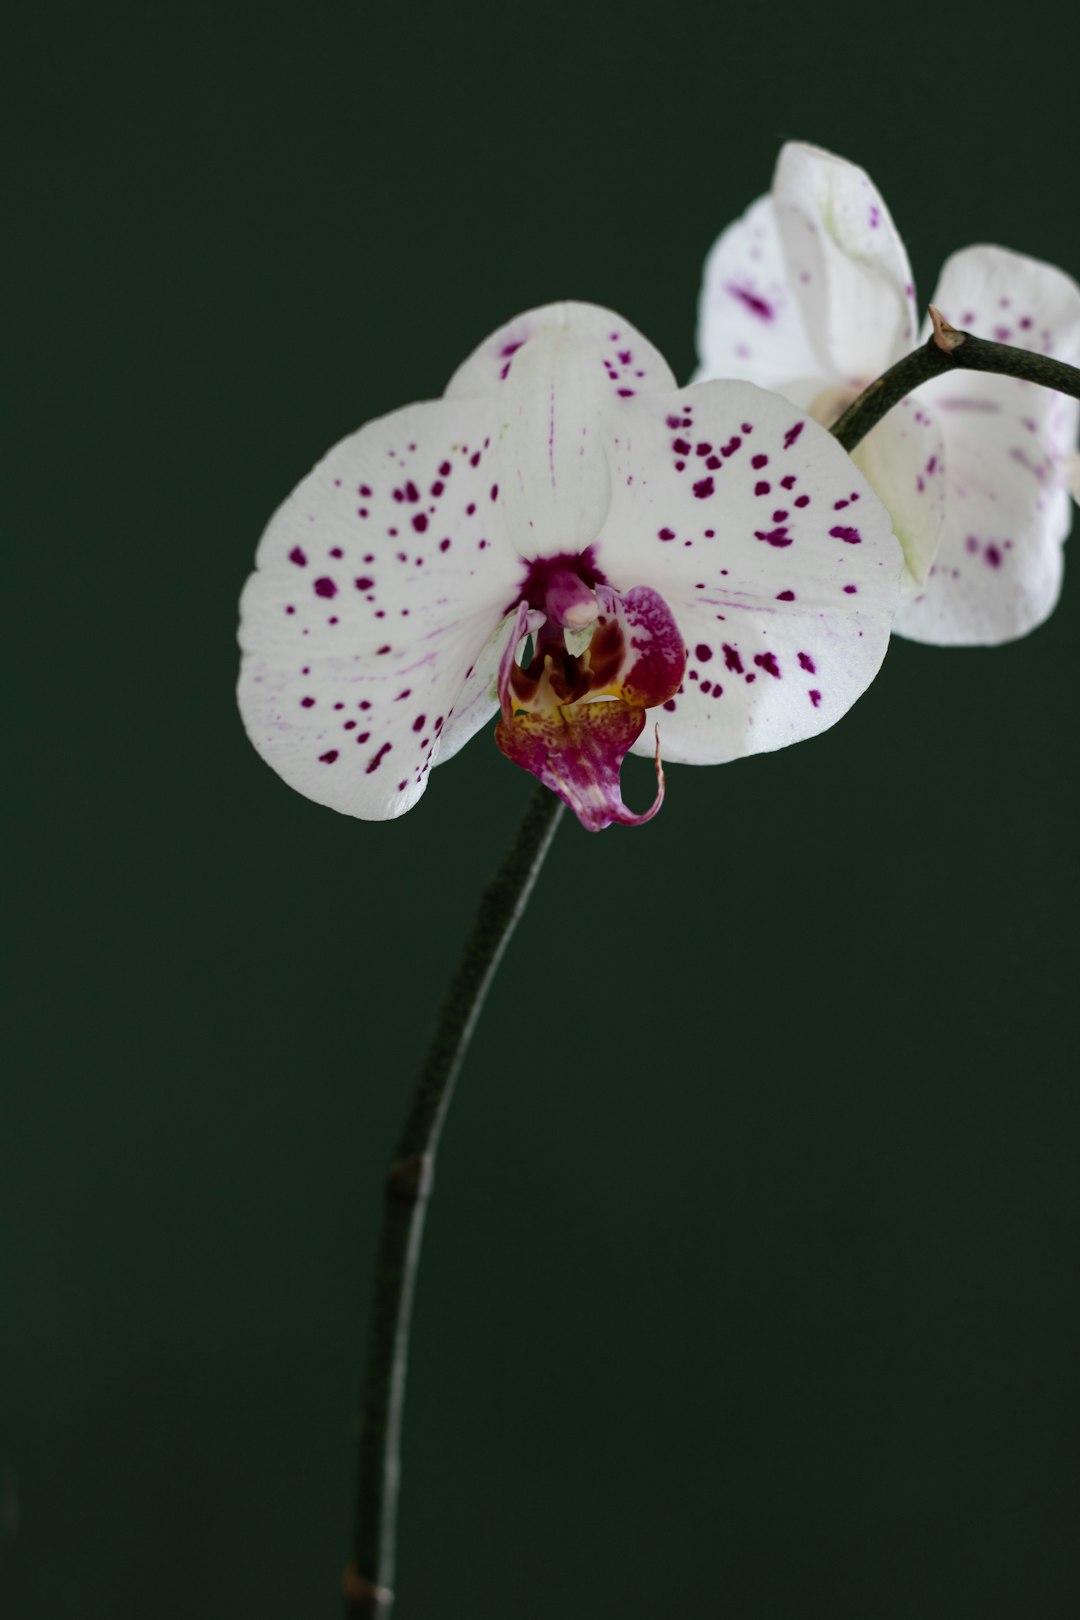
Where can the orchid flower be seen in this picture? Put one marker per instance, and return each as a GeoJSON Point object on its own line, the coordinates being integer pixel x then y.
{"type": "Point", "coordinates": [810, 293]}
{"type": "Point", "coordinates": [571, 540]}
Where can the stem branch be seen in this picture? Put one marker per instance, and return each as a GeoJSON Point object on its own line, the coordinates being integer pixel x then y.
{"type": "Point", "coordinates": [369, 1577]}
{"type": "Point", "coordinates": [947, 349]}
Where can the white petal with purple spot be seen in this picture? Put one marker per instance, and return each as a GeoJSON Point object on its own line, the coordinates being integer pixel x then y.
{"type": "Point", "coordinates": [1006, 444]}
{"type": "Point", "coordinates": [752, 523]}
{"type": "Point", "coordinates": [750, 321]}
{"type": "Point", "coordinates": [558, 378]}
{"type": "Point", "coordinates": [846, 262]}
{"type": "Point", "coordinates": [376, 588]}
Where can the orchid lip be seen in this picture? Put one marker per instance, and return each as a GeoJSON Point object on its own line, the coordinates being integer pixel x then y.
{"type": "Point", "coordinates": [571, 716]}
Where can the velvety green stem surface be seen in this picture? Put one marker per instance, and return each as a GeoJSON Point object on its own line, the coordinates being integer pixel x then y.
{"type": "Point", "coordinates": [947, 349]}
{"type": "Point", "coordinates": [369, 1577]}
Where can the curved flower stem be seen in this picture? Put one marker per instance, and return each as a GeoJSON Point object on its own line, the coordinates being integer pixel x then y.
{"type": "Point", "coordinates": [369, 1577]}
{"type": "Point", "coordinates": [947, 349]}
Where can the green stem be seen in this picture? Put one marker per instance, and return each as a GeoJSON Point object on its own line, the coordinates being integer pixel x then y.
{"type": "Point", "coordinates": [947, 349]}
{"type": "Point", "coordinates": [369, 1577]}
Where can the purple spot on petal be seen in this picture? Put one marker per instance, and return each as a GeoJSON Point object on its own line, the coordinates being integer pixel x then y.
{"type": "Point", "coordinates": [757, 306]}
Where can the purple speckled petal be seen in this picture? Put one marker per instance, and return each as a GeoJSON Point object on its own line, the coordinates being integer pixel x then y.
{"type": "Point", "coordinates": [750, 322]}
{"type": "Point", "coordinates": [378, 585]}
{"type": "Point", "coordinates": [559, 379]}
{"type": "Point", "coordinates": [845, 258]}
{"type": "Point", "coordinates": [771, 550]}
{"type": "Point", "coordinates": [998, 571]}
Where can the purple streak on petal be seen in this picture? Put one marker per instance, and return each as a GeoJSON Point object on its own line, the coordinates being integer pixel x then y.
{"type": "Point", "coordinates": [757, 306]}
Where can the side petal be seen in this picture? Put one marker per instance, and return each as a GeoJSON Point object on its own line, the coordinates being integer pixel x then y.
{"type": "Point", "coordinates": [999, 566]}
{"type": "Point", "coordinates": [844, 252]}
{"type": "Point", "coordinates": [903, 459]}
{"type": "Point", "coordinates": [377, 586]}
{"type": "Point", "coordinates": [559, 379]}
{"type": "Point", "coordinates": [773, 553]}
{"type": "Point", "coordinates": [750, 321]}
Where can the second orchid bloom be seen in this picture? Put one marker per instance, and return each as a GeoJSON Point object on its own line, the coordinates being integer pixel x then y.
{"type": "Point", "coordinates": [572, 541]}
{"type": "Point", "coordinates": [811, 293]}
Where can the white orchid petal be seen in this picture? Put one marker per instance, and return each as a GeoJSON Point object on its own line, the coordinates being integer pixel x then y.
{"type": "Point", "coordinates": [903, 460]}
{"type": "Point", "coordinates": [750, 322]}
{"type": "Point", "coordinates": [845, 255]}
{"type": "Point", "coordinates": [559, 378]}
{"type": "Point", "coordinates": [376, 589]}
{"type": "Point", "coordinates": [998, 570]}
{"type": "Point", "coordinates": [772, 551]}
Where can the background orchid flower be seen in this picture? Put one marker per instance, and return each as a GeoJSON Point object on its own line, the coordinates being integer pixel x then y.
{"type": "Point", "coordinates": [699, 570]}
{"type": "Point", "coordinates": [811, 293]}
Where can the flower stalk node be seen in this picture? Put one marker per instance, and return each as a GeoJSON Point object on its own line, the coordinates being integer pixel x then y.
{"type": "Point", "coordinates": [945, 336]}
{"type": "Point", "coordinates": [364, 1600]}
{"type": "Point", "coordinates": [411, 1179]}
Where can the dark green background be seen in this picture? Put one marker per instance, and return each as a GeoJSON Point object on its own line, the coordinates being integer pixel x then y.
{"type": "Point", "coordinates": [750, 1286]}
